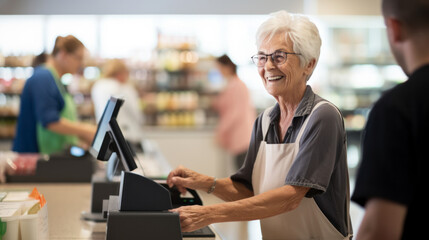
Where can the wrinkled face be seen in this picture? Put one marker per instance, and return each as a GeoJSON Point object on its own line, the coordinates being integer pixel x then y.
{"type": "Point", "coordinates": [283, 79]}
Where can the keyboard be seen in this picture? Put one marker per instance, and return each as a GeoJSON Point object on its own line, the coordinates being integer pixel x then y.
{"type": "Point", "coordinates": [204, 232]}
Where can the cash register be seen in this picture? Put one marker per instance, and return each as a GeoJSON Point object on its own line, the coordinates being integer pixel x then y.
{"type": "Point", "coordinates": [136, 207]}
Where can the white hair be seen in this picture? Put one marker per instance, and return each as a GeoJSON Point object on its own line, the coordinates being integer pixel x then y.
{"type": "Point", "coordinates": [303, 33]}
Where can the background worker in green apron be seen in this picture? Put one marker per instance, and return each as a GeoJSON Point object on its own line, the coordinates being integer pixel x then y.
{"type": "Point", "coordinates": [47, 121]}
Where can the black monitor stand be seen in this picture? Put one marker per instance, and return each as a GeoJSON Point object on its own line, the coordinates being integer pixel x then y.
{"type": "Point", "coordinates": [141, 211]}
{"type": "Point", "coordinates": [116, 151]}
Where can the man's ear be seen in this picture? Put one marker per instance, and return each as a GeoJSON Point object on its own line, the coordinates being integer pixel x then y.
{"type": "Point", "coordinates": [395, 30]}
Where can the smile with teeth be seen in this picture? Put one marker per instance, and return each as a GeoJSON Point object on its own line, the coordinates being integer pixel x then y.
{"type": "Point", "coordinates": [274, 78]}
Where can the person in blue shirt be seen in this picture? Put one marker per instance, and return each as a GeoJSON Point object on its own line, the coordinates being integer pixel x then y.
{"type": "Point", "coordinates": [47, 121]}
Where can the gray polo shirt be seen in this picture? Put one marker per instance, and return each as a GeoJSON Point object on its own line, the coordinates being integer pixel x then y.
{"type": "Point", "coordinates": [321, 163]}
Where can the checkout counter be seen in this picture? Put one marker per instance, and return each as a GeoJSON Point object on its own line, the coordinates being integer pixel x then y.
{"type": "Point", "coordinates": [67, 201]}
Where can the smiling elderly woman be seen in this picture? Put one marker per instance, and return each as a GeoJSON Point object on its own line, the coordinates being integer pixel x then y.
{"type": "Point", "coordinates": [295, 176]}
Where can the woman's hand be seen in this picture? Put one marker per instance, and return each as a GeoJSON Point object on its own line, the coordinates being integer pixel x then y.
{"type": "Point", "coordinates": [183, 178]}
{"type": "Point", "coordinates": [192, 217]}
{"type": "Point", "coordinates": [87, 132]}
{"type": "Point", "coordinates": [84, 131]}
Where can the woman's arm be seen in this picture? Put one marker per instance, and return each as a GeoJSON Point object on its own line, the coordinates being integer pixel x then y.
{"type": "Point", "coordinates": [84, 131]}
{"type": "Point", "coordinates": [225, 189]}
{"type": "Point", "coordinates": [228, 190]}
{"type": "Point", "coordinates": [268, 204]}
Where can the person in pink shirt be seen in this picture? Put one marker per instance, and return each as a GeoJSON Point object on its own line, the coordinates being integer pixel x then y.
{"type": "Point", "coordinates": [236, 112]}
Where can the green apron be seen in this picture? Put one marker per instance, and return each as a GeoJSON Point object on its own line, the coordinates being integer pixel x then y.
{"type": "Point", "coordinates": [49, 141]}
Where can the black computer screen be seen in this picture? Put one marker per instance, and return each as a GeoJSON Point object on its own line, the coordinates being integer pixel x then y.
{"type": "Point", "coordinates": [109, 143]}
{"type": "Point", "coordinates": [110, 111]}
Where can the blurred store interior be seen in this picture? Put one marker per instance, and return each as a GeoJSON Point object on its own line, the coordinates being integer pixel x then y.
{"type": "Point", "coordinates": [170, 50]}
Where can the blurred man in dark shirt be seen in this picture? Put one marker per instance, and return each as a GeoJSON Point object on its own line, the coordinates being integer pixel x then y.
{"type": "Point", "coordinates": [391, 179]}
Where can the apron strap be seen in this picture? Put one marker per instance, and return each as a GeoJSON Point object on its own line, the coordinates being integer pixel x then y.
{"type": "Point", "coordinates": [266, 121]}
{"type": "Point", "coordinates": [298, 138]}
{"type": "Point", "coordinates": [304, 125]}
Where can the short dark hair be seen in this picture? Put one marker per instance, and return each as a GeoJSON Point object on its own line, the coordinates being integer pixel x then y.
{"type": "Point", "coordinates": [68, 43]}
{"type": "Point", "coordinates": [226, 61]}
{"type": "Point", "coordinates": [413, 13]}
{"type": "Point", "coordinates": [39, 59]}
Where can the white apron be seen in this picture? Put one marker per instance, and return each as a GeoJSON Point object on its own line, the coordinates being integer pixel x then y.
{"type": "Point", "coordinates": [271, 167]}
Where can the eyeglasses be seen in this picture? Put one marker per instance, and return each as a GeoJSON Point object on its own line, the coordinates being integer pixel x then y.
{"type": "Point", "coordinates": [278, 58]}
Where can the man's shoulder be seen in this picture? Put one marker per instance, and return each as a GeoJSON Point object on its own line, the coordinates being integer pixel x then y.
{"type": "Point", "coordinates": [396, 96]}
{"type": "Point", "coordinates": [415, 87]}
{"type": "Point", "coordinates": [41, 76]}
{"type": "Point", "coordinates": [39, 80]}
